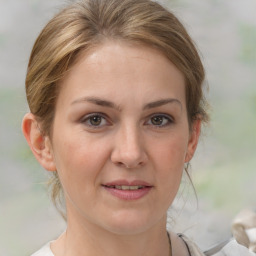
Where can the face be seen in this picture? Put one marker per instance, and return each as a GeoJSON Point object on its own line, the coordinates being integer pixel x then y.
{"type": "Point", "coordinates": [121, 137]}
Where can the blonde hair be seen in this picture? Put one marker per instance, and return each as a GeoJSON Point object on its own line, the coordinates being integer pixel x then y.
{"type": "Point", "coordinates": [86, 24]}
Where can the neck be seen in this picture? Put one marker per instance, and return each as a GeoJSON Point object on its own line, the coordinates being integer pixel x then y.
{"type": "Point", "coordinates": [89, 239]}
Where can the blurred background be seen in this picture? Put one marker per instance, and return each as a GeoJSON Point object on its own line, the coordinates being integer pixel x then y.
{"type": "Point", "coordinates": [223, 170]}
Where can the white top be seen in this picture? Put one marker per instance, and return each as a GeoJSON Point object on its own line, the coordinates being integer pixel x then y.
{"type": "Point", "coordinates": [234, 249]}
{"type": "Point", "coordinates": [44, 251]}
{"type": "Point", "coordinates": [231, 249]}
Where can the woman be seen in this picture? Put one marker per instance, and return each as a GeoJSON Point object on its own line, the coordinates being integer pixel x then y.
{"type": "Point", "coordinates": [115, 93]}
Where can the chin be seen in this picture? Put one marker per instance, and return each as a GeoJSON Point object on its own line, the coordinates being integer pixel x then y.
{"type": "Point", "coordinates": [131, 223]}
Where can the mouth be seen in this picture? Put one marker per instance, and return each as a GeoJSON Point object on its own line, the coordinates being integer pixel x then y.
{"type": "Point", "coordinates": [124, 187]}
{"type": "Point", "coordinates": [128, 190]}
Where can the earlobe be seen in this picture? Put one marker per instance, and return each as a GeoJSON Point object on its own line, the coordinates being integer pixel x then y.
{"type": "Point", "coordinates": [193, 140]}
{"type": "Point", "coordinates": [39, 144]}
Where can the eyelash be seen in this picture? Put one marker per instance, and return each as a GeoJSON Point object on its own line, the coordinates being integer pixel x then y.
{"type": "Point", "coordinates": [87, 120]}
{"type": "Point", "coordinates": [169, 120]}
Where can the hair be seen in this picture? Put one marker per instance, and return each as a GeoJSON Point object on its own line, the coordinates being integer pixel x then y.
{"type": "Point", "coordinates": [85, 24]}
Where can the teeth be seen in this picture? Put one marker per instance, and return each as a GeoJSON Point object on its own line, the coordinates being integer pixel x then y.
{"type": "Point", "coordinates": [127, 187]}
{"type": "Point", "coordinates": [135, 187]}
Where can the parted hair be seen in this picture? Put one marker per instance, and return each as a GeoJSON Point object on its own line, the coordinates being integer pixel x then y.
{"type": "Point", "coordinates": [85, 24]}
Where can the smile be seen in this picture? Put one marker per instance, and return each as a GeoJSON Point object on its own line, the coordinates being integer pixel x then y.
{"type": "Point", "coordinates": [126, 187]}
{"type": "Point", "coordinates": [125, 190]}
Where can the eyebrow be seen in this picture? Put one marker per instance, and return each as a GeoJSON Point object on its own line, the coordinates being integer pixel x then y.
{"type": "Point", "coordinates": [109, 104]}
{"type": "Point", "coordinates": [97, 101]}
{"type": "Point", "coordinates": [161, 102]}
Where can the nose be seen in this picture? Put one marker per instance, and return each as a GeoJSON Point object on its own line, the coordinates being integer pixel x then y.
{"type": "Point", "coordinates": [129, 151]}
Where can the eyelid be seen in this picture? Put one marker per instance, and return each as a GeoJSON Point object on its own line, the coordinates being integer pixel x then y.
{"type": "Point", "coordinates": [85, 118]}
{"type": "Point", "coordinates": [167, 116]}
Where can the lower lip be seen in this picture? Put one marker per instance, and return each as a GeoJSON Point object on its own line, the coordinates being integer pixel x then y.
{"type": "Point", "coordinates": [129, 194]}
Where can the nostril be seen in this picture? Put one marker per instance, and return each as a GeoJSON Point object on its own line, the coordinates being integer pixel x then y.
{"type": "Point", "coordinates": [120, 164]}
{"type": "Point", "coordinates": [127, 157]}
{"type": "Point", "coordinates": [124, 165]}
{"type": "Point", "coordinates": [128, 166]}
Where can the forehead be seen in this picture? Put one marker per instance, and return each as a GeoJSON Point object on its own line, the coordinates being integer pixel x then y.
{"type": "Point", "coordinates": [123, 52]}
{"type": "Point", "coordinates": [114, 67]}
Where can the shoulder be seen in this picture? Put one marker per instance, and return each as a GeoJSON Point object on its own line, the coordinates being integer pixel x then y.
{"type": "Point", "coordinates": [182, 245]}
{"type": "Point", "coordinates": [192, 248]}
{"type": "Point", "coordinates": [44, 251]}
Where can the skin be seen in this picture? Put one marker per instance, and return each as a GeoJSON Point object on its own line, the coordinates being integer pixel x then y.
{"type": "Point", "coordinates": [141, 133]}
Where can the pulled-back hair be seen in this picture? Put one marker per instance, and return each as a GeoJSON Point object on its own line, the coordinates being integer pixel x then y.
{"type": "Point", "coordinates": [87, 24]}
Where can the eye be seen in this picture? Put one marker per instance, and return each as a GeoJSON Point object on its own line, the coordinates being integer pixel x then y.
{"type": "Point", "coordinates": [95, 120]}
{"type": "Point", "coordinates": [160, 120]}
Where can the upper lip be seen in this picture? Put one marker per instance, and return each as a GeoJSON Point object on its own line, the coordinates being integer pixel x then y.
{"type": "Point", "coordinates": [128, 183]}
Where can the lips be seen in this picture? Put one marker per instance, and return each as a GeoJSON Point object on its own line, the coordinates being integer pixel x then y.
{"type": "Point", "coordinates": [127, 190]}
{"type": "Point", "coordinates": [126, 187]}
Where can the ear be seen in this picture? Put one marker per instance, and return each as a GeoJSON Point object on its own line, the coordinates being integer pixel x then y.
{"type": "Point", "coordinates": [193, 139]}
{"type": "Point", "coordinates": [39, 144]}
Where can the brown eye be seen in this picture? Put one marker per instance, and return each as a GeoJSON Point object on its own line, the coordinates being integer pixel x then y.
{"type": "Point", "coordinates": [160, 120]}
{"type": "Point", "coordinates": [95, 120]}
{"type": "Point", "coordinates": [157, 120]}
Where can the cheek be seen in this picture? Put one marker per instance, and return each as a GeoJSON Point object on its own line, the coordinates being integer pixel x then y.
{"type": "Point", "coordinates": [77, 162]}
{"type": "Point", "coordinates": [169, 157]}
{"type": "Point", "coordinates": [171, 152]}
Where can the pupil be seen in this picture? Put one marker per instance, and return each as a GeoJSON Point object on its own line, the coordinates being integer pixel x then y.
{"type": "Point", "coordinates": [157, 120]}
{"type": "Point", "coordinates": [95, 120]}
